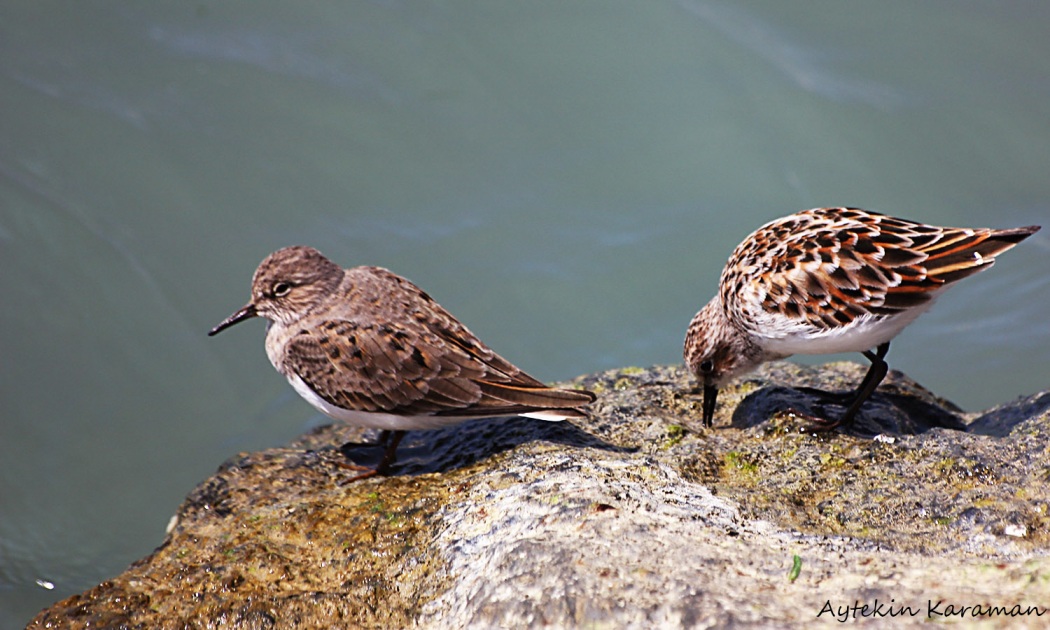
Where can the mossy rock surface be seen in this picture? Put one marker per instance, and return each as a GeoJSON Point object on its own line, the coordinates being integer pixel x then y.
{"type": "Point", "coordinates": [636, 518]}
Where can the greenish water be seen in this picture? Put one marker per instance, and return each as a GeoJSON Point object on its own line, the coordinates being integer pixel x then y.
{"type": "Point", "coordinates": [566, 177]}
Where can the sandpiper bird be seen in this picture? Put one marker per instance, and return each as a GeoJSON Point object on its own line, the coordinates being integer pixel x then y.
{"type": "Point", "coordinates": [369, 348]}
{"type": "Point", "coordinates": [830, 280]}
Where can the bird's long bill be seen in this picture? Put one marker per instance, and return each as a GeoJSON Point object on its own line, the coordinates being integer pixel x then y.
{"type": "Point", "coordinates": [247, 312]}
{"type": "Point", "coordinates": [710, 395]}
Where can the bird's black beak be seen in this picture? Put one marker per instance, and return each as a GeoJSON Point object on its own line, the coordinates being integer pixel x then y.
{"type": "Point", "coordinates": [247, 312]}
{"type": "Point", "coordinates": [710, 395]}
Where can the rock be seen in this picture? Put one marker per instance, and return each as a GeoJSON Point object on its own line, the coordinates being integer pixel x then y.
{"type": "Point", "coordinates": [637, 518]}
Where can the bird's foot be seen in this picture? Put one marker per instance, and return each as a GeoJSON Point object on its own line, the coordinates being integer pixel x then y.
{"type": "Point", "coordinates": [816, 424]}
{"type": "Point", "coordinates": [363, 472]}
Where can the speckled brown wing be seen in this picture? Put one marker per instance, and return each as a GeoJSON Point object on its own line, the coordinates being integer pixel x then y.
{"type": "Point", "coordinates": [381, 367]}
{"type": "Point", "coordinates": [829, 266]}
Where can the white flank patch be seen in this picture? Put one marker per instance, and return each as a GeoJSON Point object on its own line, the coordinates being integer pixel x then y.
{"type": "Point", "coordinates": [394, 422]}
{"type": "Point", "coordinates": [550, 416]}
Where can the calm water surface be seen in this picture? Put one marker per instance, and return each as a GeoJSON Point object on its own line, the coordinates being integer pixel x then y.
{"type": "Point", "coordinates": [567, 178]}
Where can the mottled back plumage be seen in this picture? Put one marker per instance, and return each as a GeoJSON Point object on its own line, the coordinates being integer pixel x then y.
{"type": "Point", "coordinates": [828, 267]}
{"type": "Point", "coordinates": [391, 348]}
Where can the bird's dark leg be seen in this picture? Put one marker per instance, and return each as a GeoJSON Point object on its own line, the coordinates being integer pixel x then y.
{"type": "Point", "coordinates": [710, 396]}
{"type": "Point", "coordinates": [876, 372]}
{"type": "Point", "coordinates": [391, 439]}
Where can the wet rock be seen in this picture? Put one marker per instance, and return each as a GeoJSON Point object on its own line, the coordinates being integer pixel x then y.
{"type": "Point", "coordinates": [638, 517]}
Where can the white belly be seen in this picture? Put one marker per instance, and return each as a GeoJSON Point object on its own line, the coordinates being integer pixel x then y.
{"type": "Point", "coordinates": [861, 335]}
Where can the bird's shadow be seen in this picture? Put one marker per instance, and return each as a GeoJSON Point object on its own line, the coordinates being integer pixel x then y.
{"type": "Point", "coordinates": [883, 413]}
{"type": "Point", "coordinates": [462, 445]}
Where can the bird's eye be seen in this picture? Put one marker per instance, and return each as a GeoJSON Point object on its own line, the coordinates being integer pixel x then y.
{"type": "Point", "coordinates": [281, 289]}
{"type": "Point", "coordinates": [707, 366]}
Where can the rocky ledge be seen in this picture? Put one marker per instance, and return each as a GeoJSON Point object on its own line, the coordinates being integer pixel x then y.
{"type": "Point", "coordinates": [637, 518]}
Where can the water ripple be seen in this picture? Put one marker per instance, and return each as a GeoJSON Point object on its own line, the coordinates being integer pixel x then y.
{"type": "Point", "coordinates": [797, 62]}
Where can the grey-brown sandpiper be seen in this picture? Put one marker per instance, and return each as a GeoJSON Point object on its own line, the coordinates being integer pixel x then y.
{"type": "Point", "coordinates": [369, 348]}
